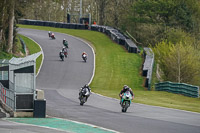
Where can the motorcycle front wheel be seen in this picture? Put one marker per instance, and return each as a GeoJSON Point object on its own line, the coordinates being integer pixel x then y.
{"type": "Point", "coordinates": [125, 106]}
{"type": "Point", "coordinates": [82, 100]}
{"type": "Point", "coordinates": [124, 109]}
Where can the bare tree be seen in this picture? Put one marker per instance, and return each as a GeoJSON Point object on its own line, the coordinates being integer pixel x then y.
{"type": "Point", "coordinates": [11, 26]}
{"type": "Point", "coordinates": [65, 5]}
{"type": "Point", "coordinates": [101, 7]}
{"type": "Point", "coordinates": [2, 6]}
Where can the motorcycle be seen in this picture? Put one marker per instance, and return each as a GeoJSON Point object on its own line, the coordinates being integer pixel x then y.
{"type": "Point", "coordinates": [65, 43]}
{"type": "Point", "coordinates": [49, 33]}
{"type": "Point", "coordinates": [53, 36]}
{"type": "Point", "coordinates": [126, 101]}
{"type": "Point", "coordinates": [65, 52]}
{"type": "Point", "coordinates": [62, 56]}
{"type": "Point", "coordinates": [84, 56]}
{"type": "Point", "coordinates": [83, 95]}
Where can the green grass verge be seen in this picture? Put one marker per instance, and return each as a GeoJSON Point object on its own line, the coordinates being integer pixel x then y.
{"type": "Point", "coordinates": [33, 48]}
{"type": "Point", "coordinates": [116, 67]}
{"type": "Point", "coordinates": [17, 48]}
{"type": "Point", "coordinates": [4, 55]}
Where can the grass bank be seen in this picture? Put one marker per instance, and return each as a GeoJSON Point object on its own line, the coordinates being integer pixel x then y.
{"type": "Point", "coordinates": [33, 48]}
{"type": "Point", "coordinates": [17, 48]}
{"type": "Point", "coordinates": [116, 67]}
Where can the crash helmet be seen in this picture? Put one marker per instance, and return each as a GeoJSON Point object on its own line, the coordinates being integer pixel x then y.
{"type": "Point", "coordinates": [64, 39]}
{"type": "Point", "coordinates": [86, 86]}
{"type": "Point", "coordinates": [125, 87]}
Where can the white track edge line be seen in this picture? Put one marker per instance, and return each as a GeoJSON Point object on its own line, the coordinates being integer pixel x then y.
{"type": "Point", "coordinates": [94, 126]}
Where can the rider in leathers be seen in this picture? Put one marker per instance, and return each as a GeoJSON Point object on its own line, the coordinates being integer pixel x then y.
{"type": "Point", "coordinates": [85, 86]}
{"type": "Point", "coordinates": [125, 88]}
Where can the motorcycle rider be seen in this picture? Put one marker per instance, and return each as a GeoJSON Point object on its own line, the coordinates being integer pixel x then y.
{"type": "Point", "coordinates": [49, 33]}
{"type": "Point", "coordinates": [85, 86]}
{"type": "Point", "coordinates": [125, 88]}
{"type": "Point", "coordinates": [84, 53]}
{"type": "Point", "coordinates": [61, 53]}
{"type": "Point", "coordinates": [84, 56]}
{"type": "Point", "coordinates": [64, 50]}
{"type": "Point", "coordinates": [52, 35]}
{"type": "Point", "coordinates": [65, 43]}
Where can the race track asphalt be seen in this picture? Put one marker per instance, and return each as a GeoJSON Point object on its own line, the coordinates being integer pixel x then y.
{"type": "Point", "coordinates": [61, 82]}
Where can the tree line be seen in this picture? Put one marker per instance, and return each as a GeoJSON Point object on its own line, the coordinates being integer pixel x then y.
{"type": "Point", "coordinates": [10, 12]}
{"type": "Point", "coordinates": [170, 27]}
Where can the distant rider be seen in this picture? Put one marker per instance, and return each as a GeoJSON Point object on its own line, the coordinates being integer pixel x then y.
{"type": "Point", "coordinates": [61, 53]}
{"type": "Point", "coordinates": [64, 50]}
{"type": "Point", "coordinates": [85, 86]}
{"type": "Point", "coordinates": [84, 53]}
{"type": "Point", "coordinates": [49, 33]}
{"type": "Point", "coordinates": [52, 34]}
{"type": "Point", "coordinates": [65, 43]}
{"type": "Point", "coordinates": [125, 88]}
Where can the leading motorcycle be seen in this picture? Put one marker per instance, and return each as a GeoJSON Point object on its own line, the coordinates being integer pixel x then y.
{"type": "Point", "coordinates": [126, 101]}
{"type": "Point", "coordinates": [84, 56]}
{"type": "Point", "coordinates": [83, 95]}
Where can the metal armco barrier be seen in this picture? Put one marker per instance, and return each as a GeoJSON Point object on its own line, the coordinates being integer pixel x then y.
{"type": "Point", "coordinates": [23, 44]}
{"type": "Point", "coordinates": [148, 66]}
{"type": "Point", "coordinates": [178, 88]}
{"type": "Point", "coordinates": [113, 33]}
